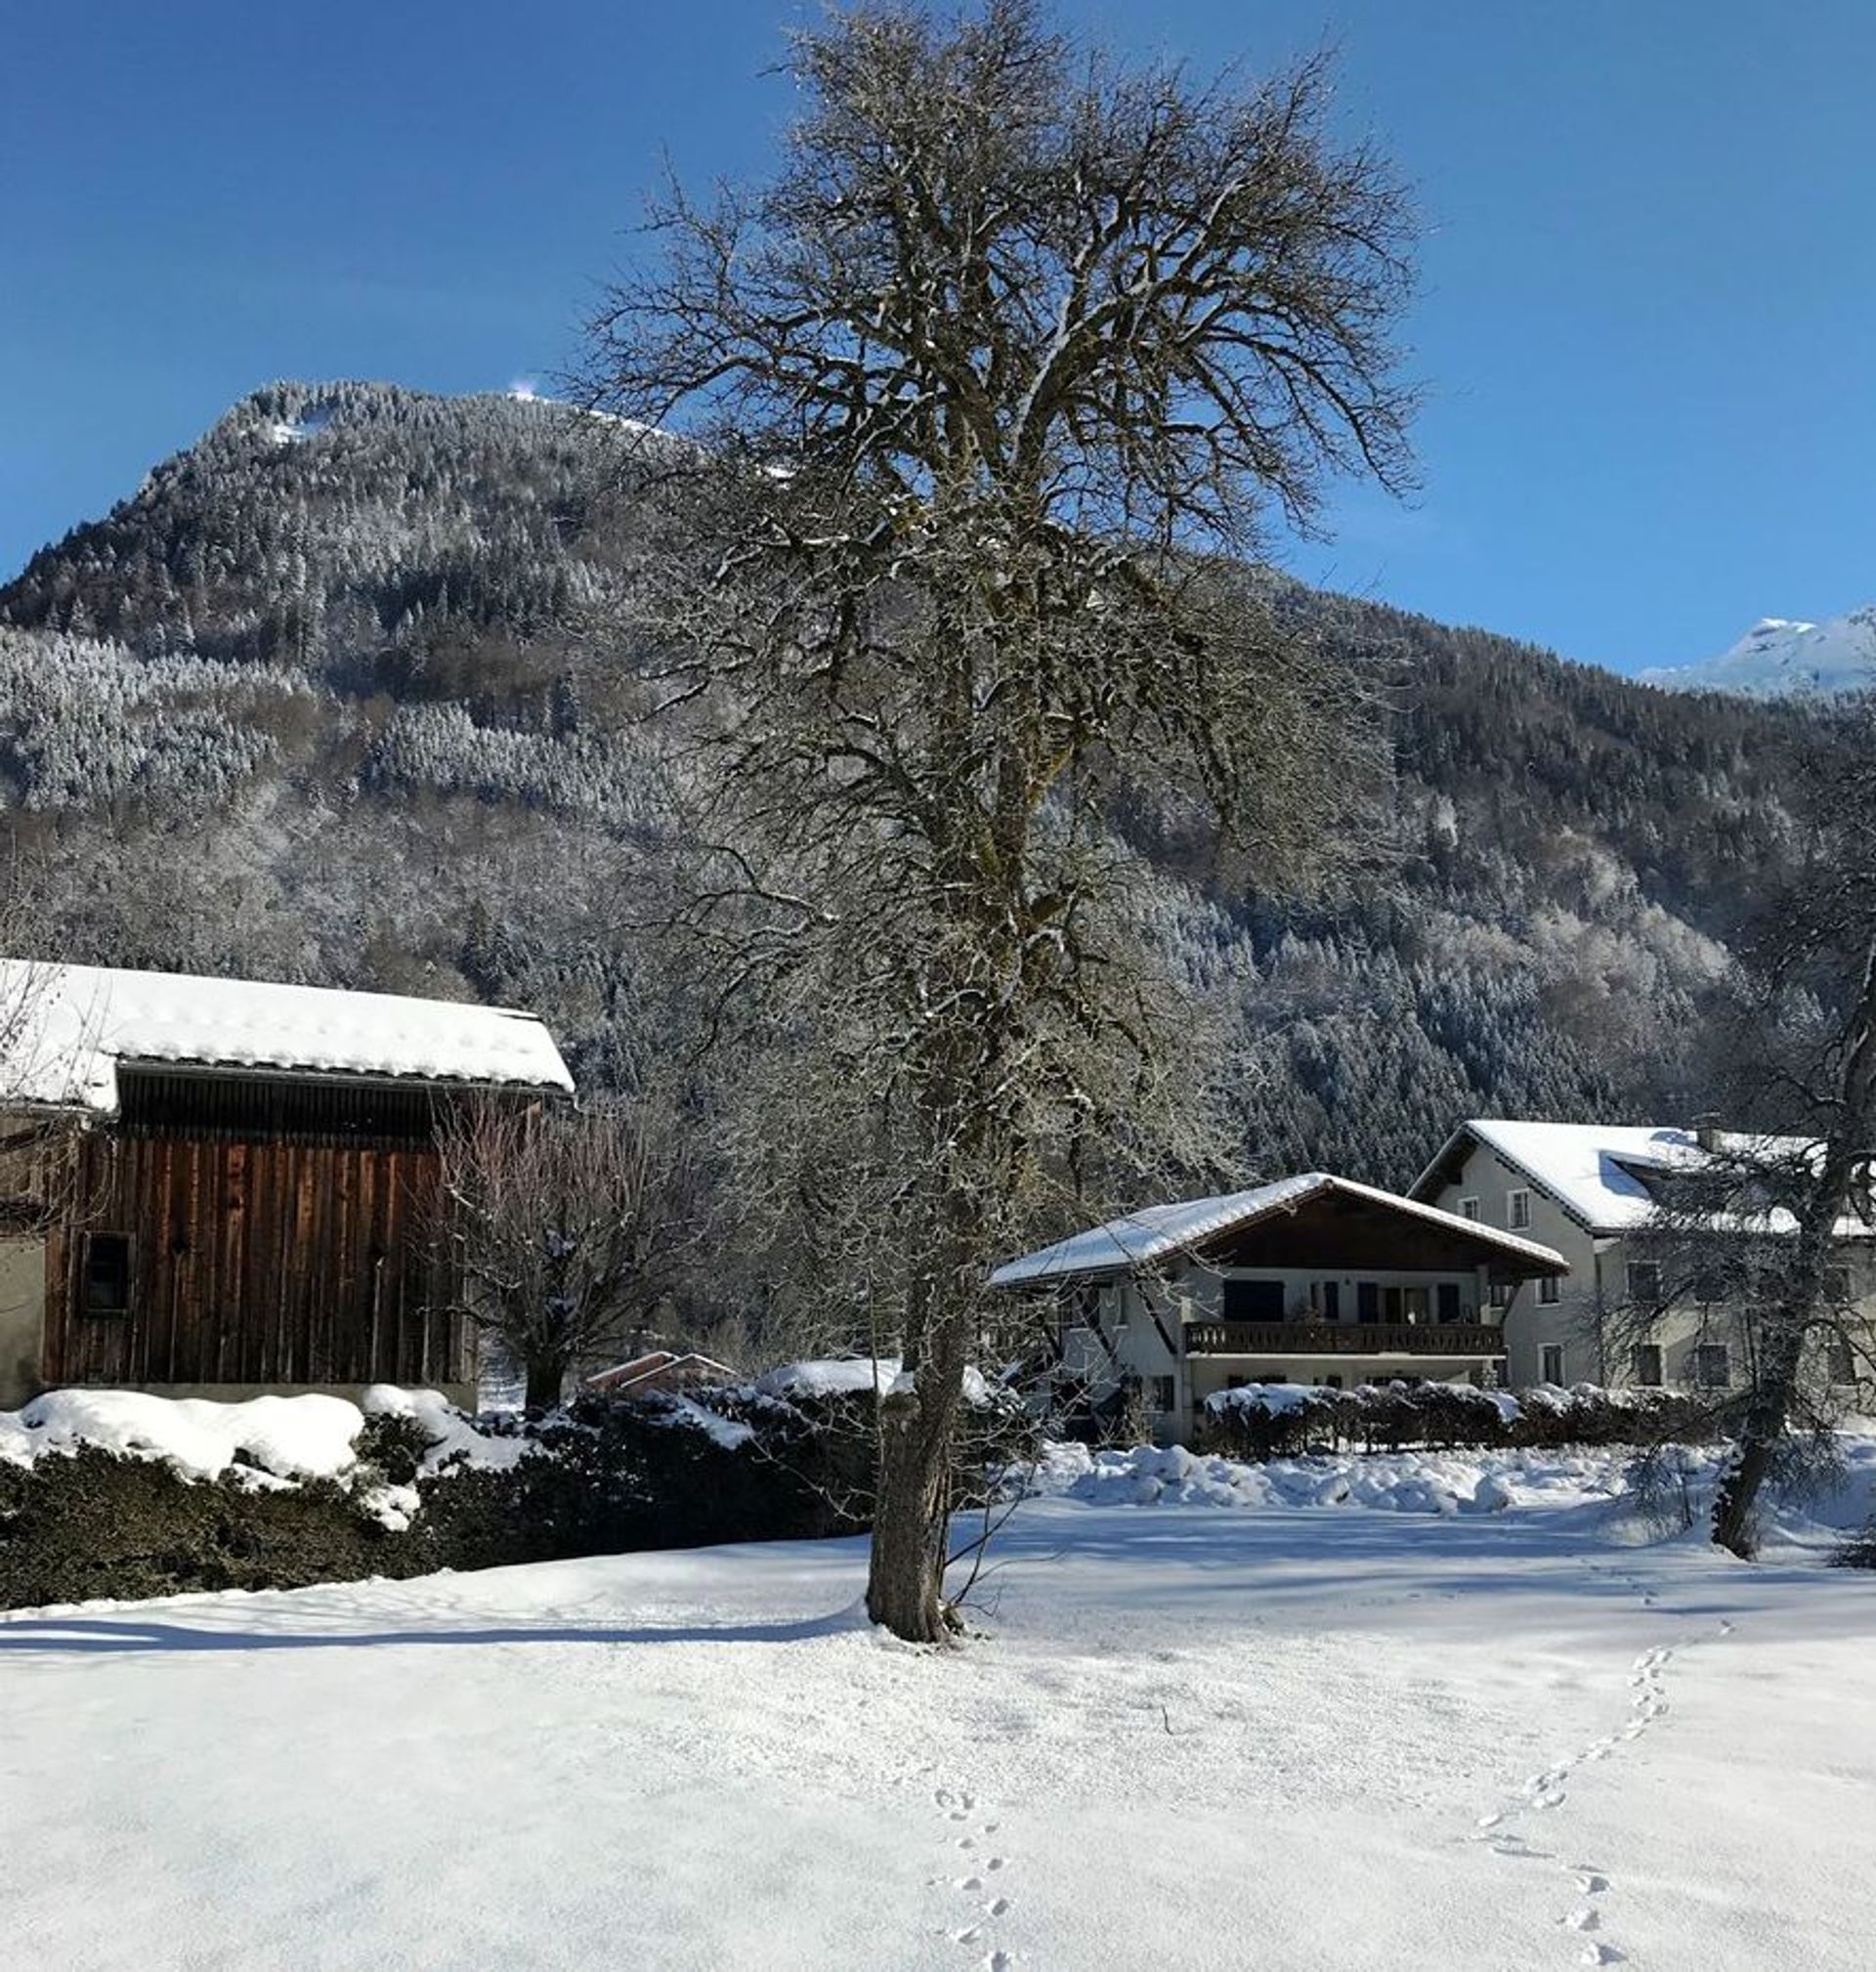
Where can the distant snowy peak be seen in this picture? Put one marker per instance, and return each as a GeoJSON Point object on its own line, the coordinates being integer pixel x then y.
{"type": "Point", "coordinates": [1780, 657]}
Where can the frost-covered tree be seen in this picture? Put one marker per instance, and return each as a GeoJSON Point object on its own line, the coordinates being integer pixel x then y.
{"type": "Point", "coordinates": [1014, 346]}
{"type": "Point", "coordinates": [1759, 1222]}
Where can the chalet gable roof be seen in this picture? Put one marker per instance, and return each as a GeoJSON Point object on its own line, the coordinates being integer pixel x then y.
{"type": "Point", "coordinates": [65, 1031]}
{"type": "Point", "coordinates": [1158, 1232]}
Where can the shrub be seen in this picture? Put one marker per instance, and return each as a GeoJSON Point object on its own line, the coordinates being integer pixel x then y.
{"type": "Point", "coordinates": [1265, 1421]}
{"type": "Point", "coordinates": [602, 1476]}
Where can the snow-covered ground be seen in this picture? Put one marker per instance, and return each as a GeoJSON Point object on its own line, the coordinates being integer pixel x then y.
{"type": "Point", "coordinates": [1266, 1737]}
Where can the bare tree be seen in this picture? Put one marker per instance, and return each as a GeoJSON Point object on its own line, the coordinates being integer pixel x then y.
{"type": "Point", "coordinates": [1014, 351]}
{"type": "Point", "coordinates": [1758, 1225]}
{"type": "Point", "coordinates": [568, 1228]}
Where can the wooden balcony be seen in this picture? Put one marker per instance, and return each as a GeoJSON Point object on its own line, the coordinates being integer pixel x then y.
{"type": "Point", "coordinates": [1343, 1338]}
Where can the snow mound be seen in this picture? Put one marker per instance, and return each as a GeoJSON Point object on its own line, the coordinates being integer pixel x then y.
{"type": "Point", "coordinates": [1409, 1483]}
{"type": "Point", "coordinates": [290, 1437]}
{"type": "Point", "coordinates": [455, 1438]}
{"type": "Point", "coordinates": [845, 1376]}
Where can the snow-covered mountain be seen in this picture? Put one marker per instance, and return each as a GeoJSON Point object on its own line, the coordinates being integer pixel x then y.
{"type": "Point", "coordinates": [1778, 657]}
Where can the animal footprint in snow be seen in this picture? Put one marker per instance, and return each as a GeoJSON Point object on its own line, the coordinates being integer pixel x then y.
{"type": "Point", "coordinates": [970, 1882]}
{"type": "Point", "coordinates": [1584, 1919]}
{"type": "Point", "coordinates": [1490, 1820]}
{"type": "Point", "coordinates": [997, 1961]}
{"type": "Point", "coordinates": [996, 1906]}
{"type": "Point", "coordinates": [1602, 1955]}
{"type": "Point", "coordinates": [1592, 1882]}
{"type": "Point", "coordinates": [995, 1863]}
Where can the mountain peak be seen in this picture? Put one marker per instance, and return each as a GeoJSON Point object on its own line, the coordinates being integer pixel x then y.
{"type": "Point", "coordinates": [1783, 657]}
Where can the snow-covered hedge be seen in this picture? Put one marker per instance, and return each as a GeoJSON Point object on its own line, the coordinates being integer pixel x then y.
{"type": "Point", "coordinates": [1274, 1420]}
{"type": "Point", "coordinates": [120, 1493]}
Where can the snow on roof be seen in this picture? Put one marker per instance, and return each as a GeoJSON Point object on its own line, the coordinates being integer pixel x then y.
{"type": "Point", "coordinates": [64, 1030]}
{"type": "Point", "coordinates": [1139, 1238]}
{"type": "Point", "coordinates": [1597, 1171]}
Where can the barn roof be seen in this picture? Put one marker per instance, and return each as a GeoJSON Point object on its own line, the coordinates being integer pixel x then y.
{"type": "Point", "coordinates": [1159, 1231]}
{"type": "Point", "coordinates": [65, 1030]}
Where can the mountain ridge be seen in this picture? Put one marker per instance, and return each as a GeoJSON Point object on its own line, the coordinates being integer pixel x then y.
{"type": "Point", "coordinates": [344, 646]}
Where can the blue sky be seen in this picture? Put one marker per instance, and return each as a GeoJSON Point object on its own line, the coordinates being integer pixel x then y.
{"type": "Point", "coordinates": [1649, 267]}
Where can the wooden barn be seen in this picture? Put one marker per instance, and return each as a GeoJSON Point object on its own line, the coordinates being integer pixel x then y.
{"type": "Point", "coordinates": [220, 1187]}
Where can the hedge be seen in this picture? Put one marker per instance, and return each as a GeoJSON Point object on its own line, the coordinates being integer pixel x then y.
{"type": "Point", "coordinates": [602, 1476]}
{"type": "Point", "coordinates": [1290, 1420]}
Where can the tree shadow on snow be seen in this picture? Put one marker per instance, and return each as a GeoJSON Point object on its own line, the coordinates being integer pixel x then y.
{"type": "Point", "coordinates": [80, 1636]}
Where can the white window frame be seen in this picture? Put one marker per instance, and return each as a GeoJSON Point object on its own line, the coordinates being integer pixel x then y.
{"type": "Point", "coordinates": [1469, 1209]}
{"type": "Point", "coordinates": [1517, 1209]}
{"type": "Point", "coordinates": [1550, 1357]}
{"type": "Point", "coordinates": [1550, 1290]}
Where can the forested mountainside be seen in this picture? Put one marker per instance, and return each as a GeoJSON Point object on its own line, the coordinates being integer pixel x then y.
{"type": "Point", "coordinates": [325, 700]}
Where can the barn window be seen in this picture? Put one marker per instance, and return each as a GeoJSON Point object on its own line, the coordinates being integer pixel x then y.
{"type": "Point", "coordinates": [107, 1284]}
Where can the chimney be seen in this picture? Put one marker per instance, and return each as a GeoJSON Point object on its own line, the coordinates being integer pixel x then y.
{"type": "Point", "coordinates": [1706, 1130]}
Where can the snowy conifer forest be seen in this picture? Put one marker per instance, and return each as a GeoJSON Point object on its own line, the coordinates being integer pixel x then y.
{"type": "Point", "coordinates": [368, 653]}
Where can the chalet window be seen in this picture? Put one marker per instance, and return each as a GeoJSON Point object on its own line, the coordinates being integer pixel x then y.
{"type": "Point", "coordinates": [1390, 1307]}
{"type": "Point", "coordinates": [1367, 1301]}
{"type": "Point", "coordinates": [1644, 1364]}
{"type": "Point", "coordinates": [1517, 1210]}
{"type": "Point", "coordinates": [1550, 1290]}
{"type": "Point", "coordinates": [1254, 1301]}
{"type": "Point", "coordinates": [1414, 1303]}
{"type": "Point", "coordinates": [1712, 1365]}
{"type": "Point", "coordinates": [1332, 1382]}
{"type": "Point", "coordinates": [1331, 1301]}
{"type": "Point", "coordinates": [1644, 1283]}
{"type": "Point", "coordinates": [1551, 1363]}
{"type": "Point", "coordinates": [1159, 1393]}
{"type": "Point", "coordinates": [1709, 1288]}
{"type": "Point", "coordinates": [1469, 1208]}
{"type": "Point", "coordinates": [1448, 1297]}
{"type": "Point", "coordinates": [1499, 1294]}
{"type": "Point", "coordinates": [105, 1289]}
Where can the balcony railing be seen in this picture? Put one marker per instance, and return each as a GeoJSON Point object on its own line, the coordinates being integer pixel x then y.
{"type": "Point", "coordinates": [1343, 1338]}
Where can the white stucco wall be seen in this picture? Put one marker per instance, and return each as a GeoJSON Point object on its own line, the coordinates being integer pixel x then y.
{"type": "Point", "coordinates": [1579, 1323]}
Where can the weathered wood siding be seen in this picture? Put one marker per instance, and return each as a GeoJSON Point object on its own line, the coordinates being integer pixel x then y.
{"type": "Point", "coordinates": [264, 1261]}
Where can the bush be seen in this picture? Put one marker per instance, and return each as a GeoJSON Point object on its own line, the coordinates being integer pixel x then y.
{"type": "Point", "coordinates": [1265, 1421]}
{"type": "Point", "coordinates": [604, 1477]}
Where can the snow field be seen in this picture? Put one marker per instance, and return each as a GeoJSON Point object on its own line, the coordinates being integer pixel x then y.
{"type": "Point", "coordinates": [1186, 1739]}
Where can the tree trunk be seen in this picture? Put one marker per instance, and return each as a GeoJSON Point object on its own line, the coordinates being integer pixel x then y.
{"type": "Point", "coordinates": [912, 1524]}
{"type": "Point", "coordinates": [1767, 1415]}
{"type": "Point", "coordinates": [917, 1428]}
{"type": "Point", "coordinates": [546, 1378]}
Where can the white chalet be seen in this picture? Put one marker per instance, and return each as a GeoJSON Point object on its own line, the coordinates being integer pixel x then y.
{"type": "Point", "coordinates": [1586, 1190]}
{"type": "Point", "coordinates": [1312, 1280]}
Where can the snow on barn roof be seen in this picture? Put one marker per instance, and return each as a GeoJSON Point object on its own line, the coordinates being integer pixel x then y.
{"type": "Point", "coordinates": [1599, 1171]}
{"type": "Point", "coordinates": [65, 1029]}
{"type": "Point", "coordinates": [1156, 1231]}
